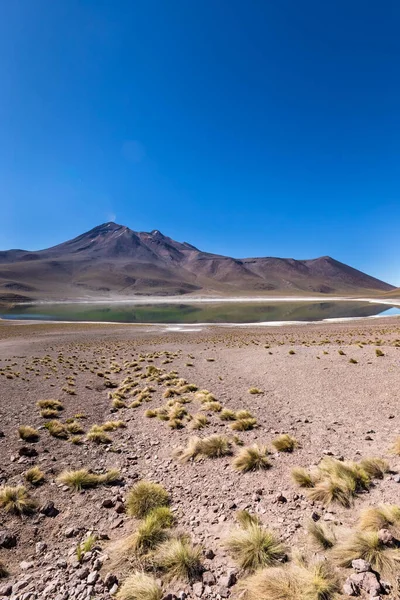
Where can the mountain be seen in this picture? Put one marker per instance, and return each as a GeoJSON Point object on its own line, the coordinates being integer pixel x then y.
{"type": "Point", "coordinates": [112, 260]}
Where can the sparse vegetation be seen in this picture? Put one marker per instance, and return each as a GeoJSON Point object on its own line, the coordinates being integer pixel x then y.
{"type": "Point", "coordinates": [292, 582]}
{"type": "Point", "coordinates": [57, 429]}
{"type": "Point", "coordinates": [97, 435]}
{"type": "Point", "coordinates": [254, 547]}
{"type": "Point", "coordinates": [368, 546]}
{"type": "Point", "coordinates": [179, 559]}
{"type": "Point", "coordinates": [322, 536]}
{"type": "Point", "coordinates": [82, 479]}
{"type": "Point", "coordinates": [254, 390]}
{"type": "Point", "coordinates": [16, 500]}
{"type": "Point", "coordinates": [245, 519]}
{"type": "Point", "coordinates": [34, 476]}
{"type": "Point", "coordinates": [139, 586]}
{"type": "Point", "coordinates": [285, 443]}
{"type": "Point", "coordinates": [214, 446]}
{"type": "Point", "coordinates": [28, 434]}
{"type": "Point", "coordinates": [144, 497]}
{"type": "Point", "coordinates": [385, 516]}
{"type": "Point", "coordinates": [252, 458]}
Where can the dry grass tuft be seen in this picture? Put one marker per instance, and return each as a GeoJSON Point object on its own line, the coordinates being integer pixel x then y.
{"type": "Point", "coordinates": [199, 422]}
{"type": "Point", "coordinates": [255, 547]}
{"type": "Point", "coordinates": [144, 497]}
{"type": "Point", "coordinates": [75, 427]}
{"type": "Point", "coordinates": [243, 424]}
{"type": "Point", "coordinates": [34, 476]}
{"type": "Point", "coordinates": [322, 536]}
{"type": "Point", "coordinates": [16, 500]}
{"type": "Point", "coordinates": [395, 449]}
{"type": "Point", "coordinates": [245, 519]}
{"type": "Point", "coordinates": [376, 468]}
{"type": "Point", "coordinates": [285, 443]}
{"type": "Point", "coordinates": [150, 534]}
{"type": "Point", "coordinates": [50, 404]}
{"type": "Point", "coordinates": [139, 586]}
{"type": "Point", "coordinates": [179, 559]}
{"type": "Point", "coordinates": [83, 479]}
{"type": "Point", "coordinates": [97, 435]}
{"type": "Point", "coordinates": [214, 446]}
{"type": "Point", "coordinates": [28, 434]}
{"type": "Point", "coordinates": [57, 429]}
{"type": "Point", "coordinates": [292, 582]}
{"type": "Point", "coordinates": [368, 546]}
{"type": "Point", "coordinates": [252, 458]}
{"type": "Point", "coordinates": [385, 516]}
{"type": "Point", "coordinates": [227, 415]}
{"type": "Point", "coordinates": [337, 481]}
{"type": "Point", "coordinates": [303, 477]}
{"type": "Point", "coordinates": [254, 390]}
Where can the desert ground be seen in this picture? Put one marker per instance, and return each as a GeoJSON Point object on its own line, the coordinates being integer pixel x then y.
{"type": "Point", "coordinates": [334, 388]}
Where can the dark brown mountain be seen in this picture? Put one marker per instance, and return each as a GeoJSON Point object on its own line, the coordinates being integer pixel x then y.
{"type": "Point", "coordinates": [112, 259]}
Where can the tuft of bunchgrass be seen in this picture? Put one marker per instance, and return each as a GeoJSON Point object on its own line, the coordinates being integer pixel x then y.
{"type": "Point", "coordinates": [368, 546]}
{"type": "Point", "coordinates": [227, 415]}
{"type": "Point", "coordinates": [16, 500]}
{"type": "Point", "coordinates": [50, 404]}
{"type": "Point", "coordinates": [179, 559]}
{"type": "Point", "coordinates": [245, 519]}
{"type": "Point", "coordinates": [57, 429]}
{"type": "Point", "coordinates": [321, 535]}
{"type": "Point", "coordinates": [255, 547]}
{"type": "Point", "coordinates": [384, 516]}
{"type": "Point", "coordinates": [395, 449]}
{"type": "Point", "coordinates": [292, 582]}
{"type": "Point", "coordinates": [214, 446]}
{"type": "Point", "coordinates": [97, 435]}
{"type": "Point", "coordinates": [34, 476]}
{"type": "Point", "coordinates": [252, 458]}
{"type": "Point", "coordinates": [199, 421]}
{"type": "Point", "coordinates": [139, 586]}
{"type": "Point", "coordinates": [74, 427]}
{"type": "Point", "coordinates": [276, 583]}
{"type": "Point", "coordinates": [83, 479]}
{"type": "Point", "coordinates": [303, 477]}
{"type": "Point", "coordinates": [243, 424]}
{"type": "Point", "coordinates": [150, 534]}
{"type": "Point", "coordinates": [144, 497]}
{"type": "Point", "coordinates": [28, 434]}
{"type": "Point", "coordinates": [376, 468]}
{"type": "Point", "coordinates": [285, 443]}
{"type": "Point", "coordinates": [254, 390]}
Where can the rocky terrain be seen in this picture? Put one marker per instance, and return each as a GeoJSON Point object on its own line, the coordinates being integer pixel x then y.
{"type": "Point", "coordinates": [128, 404]}
{"type": "Point", "coordinates": [112, 260]}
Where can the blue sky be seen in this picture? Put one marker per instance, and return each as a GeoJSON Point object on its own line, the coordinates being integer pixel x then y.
{"type": "Point", "coordinates": [245, 128]}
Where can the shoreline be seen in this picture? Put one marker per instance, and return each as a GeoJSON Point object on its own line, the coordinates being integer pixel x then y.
{"type": "Point", "coordinates": [212, 300]}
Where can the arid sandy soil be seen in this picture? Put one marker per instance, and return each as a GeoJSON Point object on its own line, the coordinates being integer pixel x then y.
{"type": "Point", "coordinates": [309, 389]}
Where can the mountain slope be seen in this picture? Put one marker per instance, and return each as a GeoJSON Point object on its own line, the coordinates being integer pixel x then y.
{"type": "Point", "coordinates": [112, 259]}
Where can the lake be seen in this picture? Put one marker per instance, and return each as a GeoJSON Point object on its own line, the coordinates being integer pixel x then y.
{"type": "Point", "coordinates": [204, 312]}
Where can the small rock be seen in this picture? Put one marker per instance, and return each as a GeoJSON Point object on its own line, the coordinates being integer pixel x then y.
{"type": "Point", "coordinates": [385, 536]}
{"type": "Point", "coordinates": [198, 589]}
{"type": "Point", "coordinates": [40, 547]}
{"type": "Point", "coordinates": [7, 539]}
{"type": "Point", "coordinates": [208, 578]}
{"type": "Point", "coordinates": [360, 565]}
{"type": "Point", "coordinates": [49, 510]}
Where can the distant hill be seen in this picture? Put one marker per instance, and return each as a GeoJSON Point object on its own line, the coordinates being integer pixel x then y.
{"type": "Point", "coordinates": [113, 260]}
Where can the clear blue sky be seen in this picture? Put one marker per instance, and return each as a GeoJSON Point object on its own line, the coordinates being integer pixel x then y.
{"type": "Point", "coordinates": [257, 127]}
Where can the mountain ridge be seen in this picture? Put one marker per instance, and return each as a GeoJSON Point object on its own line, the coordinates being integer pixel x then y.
{"type": "Point", "coordinates": [116, 260]}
